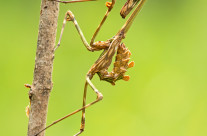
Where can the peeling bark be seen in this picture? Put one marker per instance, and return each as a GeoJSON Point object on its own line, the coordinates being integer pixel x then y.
{"type": "Point", "coordinates": [42, 82]}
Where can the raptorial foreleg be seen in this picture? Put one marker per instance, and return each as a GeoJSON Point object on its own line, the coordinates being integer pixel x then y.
{"type": "Point", "coordinates": [120, 66]}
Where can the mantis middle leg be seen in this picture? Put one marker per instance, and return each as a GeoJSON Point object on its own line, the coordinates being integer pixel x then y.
{"type": "Point", "coordinates": [69, 16]}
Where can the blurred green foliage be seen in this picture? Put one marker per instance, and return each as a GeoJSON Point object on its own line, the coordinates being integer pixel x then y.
{"type": "Point", "coordinates": [166, 95]}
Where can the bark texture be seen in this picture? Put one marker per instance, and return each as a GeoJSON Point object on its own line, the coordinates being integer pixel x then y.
{"type": "Point", "coordinates": [42, 82]}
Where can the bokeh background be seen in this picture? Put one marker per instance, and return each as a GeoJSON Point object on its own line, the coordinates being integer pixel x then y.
{"type": "Point", "coordinates": [166, 95]}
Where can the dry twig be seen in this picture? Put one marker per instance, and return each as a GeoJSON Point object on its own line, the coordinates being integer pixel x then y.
{"type": "Point", "coordinates": [42, 82]}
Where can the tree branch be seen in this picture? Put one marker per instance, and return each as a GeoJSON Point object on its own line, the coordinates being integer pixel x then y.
{"type": "Point", "coordinates": [42, 82]}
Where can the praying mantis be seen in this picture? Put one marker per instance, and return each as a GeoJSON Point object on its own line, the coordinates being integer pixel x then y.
{"type": "Point", "coordinates": [110, 47]}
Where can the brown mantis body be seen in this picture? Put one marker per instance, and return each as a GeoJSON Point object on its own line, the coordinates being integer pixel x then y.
{"type": "Point", "coordinates": [110, 47]}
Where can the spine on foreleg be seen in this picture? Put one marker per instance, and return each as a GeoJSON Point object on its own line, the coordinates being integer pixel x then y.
{"type": "Point", "coordinates": [120, 66]}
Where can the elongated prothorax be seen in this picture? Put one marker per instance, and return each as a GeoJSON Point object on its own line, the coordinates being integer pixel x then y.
{"type": "Point", "coordinates": [130, 20]}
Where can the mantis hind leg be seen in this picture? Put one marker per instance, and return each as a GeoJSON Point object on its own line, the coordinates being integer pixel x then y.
{"type": "Point", "coordinates": [99, 97]}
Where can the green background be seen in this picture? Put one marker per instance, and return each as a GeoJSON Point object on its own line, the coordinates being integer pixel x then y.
{"type": "Point", "coordinates": [166, 95]}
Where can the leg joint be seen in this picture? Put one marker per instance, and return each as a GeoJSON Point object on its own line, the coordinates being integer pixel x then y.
{"type": "Point", "coordinates": [70, 16]}
{"type": "Point", "coordinates": [82, 127]}
{"type": "Point", "coordinates": [100, 96]}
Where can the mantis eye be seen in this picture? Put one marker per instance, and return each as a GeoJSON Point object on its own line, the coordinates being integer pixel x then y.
{"type": "Point", "coordinates": [128, 6]}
